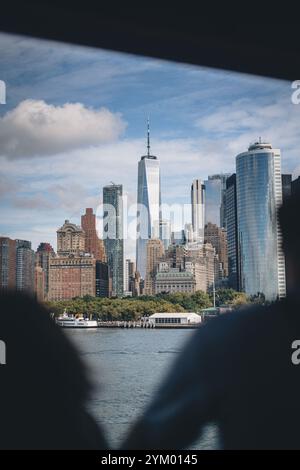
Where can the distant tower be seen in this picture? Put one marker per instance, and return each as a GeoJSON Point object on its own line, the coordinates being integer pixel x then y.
{"type": "Point", "coordinates": [232, 234]}
{"type": "Point", "coordinates": [259, 195]}
{"type": "Point", "coordinates": [198, 209]}
{"type": "Point", "coordinates": [113, 235]}
{"type": "Point", "coordinates": [149, 203]}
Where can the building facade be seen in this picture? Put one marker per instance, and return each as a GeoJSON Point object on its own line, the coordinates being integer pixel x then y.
{"type": "Point", "coordinates": [259, 195]}
{"type": "Point", "coordinates": [93, 244]}
{"type": "Point", "coordinates": [217, 237]}
{"type": "Point", "coordinates": [113, 235]}
{"type": "Point", "coordinates": [70, 239]}
{"type": "Point", "coordinates": [149, 206]}
{"type": "Point", "coordinates": [155, 251]}
{"type": "Point", "coordinates": [72, 276]}
{"type": "Point", "coordinates": [7, 263]}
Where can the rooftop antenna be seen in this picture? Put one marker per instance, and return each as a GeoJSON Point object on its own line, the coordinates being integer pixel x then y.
{"type": "Point", "coordinates": [148, 137]}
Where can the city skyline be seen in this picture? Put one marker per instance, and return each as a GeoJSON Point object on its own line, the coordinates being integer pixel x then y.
{"type": "Point", "coordinates": [200, 119]}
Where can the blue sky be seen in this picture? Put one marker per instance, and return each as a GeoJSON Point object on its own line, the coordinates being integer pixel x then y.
{"type": "Point", "coordinates": [75, 119]}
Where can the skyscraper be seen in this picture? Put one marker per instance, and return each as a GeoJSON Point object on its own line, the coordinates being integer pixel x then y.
{"type": "Point", "coordinates": [165, 232]}
{"type": "Point", "coordinates": [93, 244]}
{"type": "Point", "coordinates": [198, 209]}
{"type": "Point", "coordinates": [25, 266]}
{"type": "Point", "coordinates": [259, 195]}
{"type": "Point", "coordinates": [286, 186]}
{"type": "Point", "coordinates": [113, 235]}
{"type": "Point", "coordinates": [232, 233]}
{"type": "Point", "coordinates": [43, 255]}
{"type": "Point", "coordinates": [215, 199]}
{"type": "Point", "coordinates": [149, 205]}
{"type": "Point", "coordinates": [7, 263]}
{"type": "Point", "coordinates": [155, 250]}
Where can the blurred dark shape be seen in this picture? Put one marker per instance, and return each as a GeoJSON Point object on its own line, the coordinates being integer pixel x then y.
{"type": "Point", "coordinates": [43, 385]}
{"type": "Point", "coordinates": [236, 372]}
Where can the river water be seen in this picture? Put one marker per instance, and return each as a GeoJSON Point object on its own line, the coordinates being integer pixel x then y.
{"type": "Point", "coordinates": [127, 366]}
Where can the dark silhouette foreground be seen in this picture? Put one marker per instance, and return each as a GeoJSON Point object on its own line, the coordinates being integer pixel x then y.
{"type": "Point", "coordinates": [236, 372]}
{"type": "Point", "coordinates": [43, 385]}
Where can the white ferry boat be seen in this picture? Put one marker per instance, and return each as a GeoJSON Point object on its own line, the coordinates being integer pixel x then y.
{"type": "Point", "coordinates": [70, 321]}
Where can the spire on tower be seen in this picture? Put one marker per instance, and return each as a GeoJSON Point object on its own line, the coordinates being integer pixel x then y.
{"type": "Point", "coordinates": [148, 137]}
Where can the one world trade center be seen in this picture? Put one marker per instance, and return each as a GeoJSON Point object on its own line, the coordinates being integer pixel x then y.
{"type": "Point", "coordinates": [148, 205]}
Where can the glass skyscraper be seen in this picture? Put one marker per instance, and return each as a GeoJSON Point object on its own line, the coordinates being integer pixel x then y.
{"type": "Point", "coordinates": [259, 195]}
{"type": "Point", "coordinates": [113, 235]}
{"type": "Point", "coordinates": [215, 199]}
{"type": "Point", "coordinates": [232, 233]}
{"type": "Point", "coordinates": [149, 206]}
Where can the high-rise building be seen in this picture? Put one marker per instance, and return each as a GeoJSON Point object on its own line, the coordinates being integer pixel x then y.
{"type": "Point", "coordinates": [72, 276]}
{"type": "Point", "coordinates": [43, 255]}
{"type": "Point", "coordinates": [259, 195]}
{"type": "Point", "coordinates": [198, 209]}
{"type": "Point", "coordinates": [102, 279]}
{"type": "Point", "coordinates": [113, 235]}
{"type": "Point", "coordinates": [93, 244]}
{"type": "Point", "coordinates": [286, 186]}
{"type": "Point", "coordinates": [215, 199]}
{"type": "Point", "coordinates": [232, 233]}
{"type": "Point", "coordinates": [7, 263]}
{"type": "Point", "coordinates": [149, 206]}
{"type": "Point", "coordinates": [129, 273]}
{"type": "Point", "coordinates": [25, 262]}
{"type": "Point", "coordinates": [217, 237]}
{"type": "Point", "coordinates": [296, 185]}
{"type": "Point", "coordinates": [155, 251]}
{"type": "Point", "coordinates": [70, 239]}
{"type": "Point", "coordinates": [165, 232]}
{"type": "Point", "coordinates": [39, 283]}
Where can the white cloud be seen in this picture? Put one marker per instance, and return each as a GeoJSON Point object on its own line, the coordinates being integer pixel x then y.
{"type": "Point", "coordinates": [35, 128]}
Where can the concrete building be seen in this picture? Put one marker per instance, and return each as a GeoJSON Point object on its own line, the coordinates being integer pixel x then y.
{"type": "Point", "coordinates": [198, 209]}
{"type": "Point", "coordinates": [155, 251]}
{"type": "Point", "coordinates": [7, 263]}
{"type": "Point", "coordinates": [93, 244]}
{"type": "Point", "coordinates": [217, 237]}
{"type": "Point", "coordinates": [70, 239]}
{"type": "Point", "coordinates": [129, 273]}
{"type": "Point", "coordinates": [72, 276]}
{"type": "Point", "coordinates": [174, 280]}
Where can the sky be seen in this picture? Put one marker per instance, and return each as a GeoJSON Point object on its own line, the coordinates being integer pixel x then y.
{"type": "Point", "coordinates": [75, 119]}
